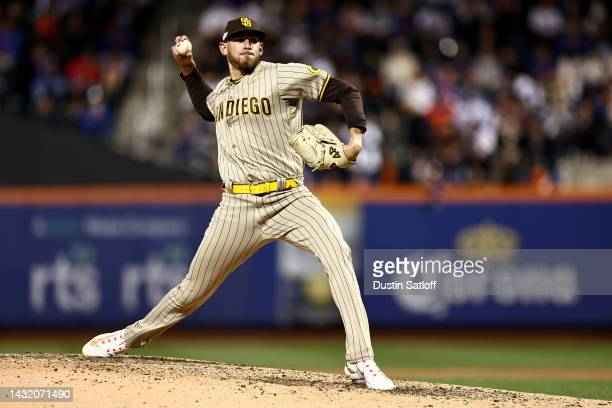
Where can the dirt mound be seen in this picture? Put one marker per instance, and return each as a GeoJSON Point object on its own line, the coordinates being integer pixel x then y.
{"type": "Point", "coordinates": [131, 381]}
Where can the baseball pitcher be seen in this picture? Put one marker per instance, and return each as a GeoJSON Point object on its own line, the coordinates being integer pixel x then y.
{"type": "Point", "coordinates": [263, 146]}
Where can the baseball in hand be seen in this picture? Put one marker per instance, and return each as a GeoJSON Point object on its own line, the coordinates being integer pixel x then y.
{"type": "Point", "coordinates": [183, 47]}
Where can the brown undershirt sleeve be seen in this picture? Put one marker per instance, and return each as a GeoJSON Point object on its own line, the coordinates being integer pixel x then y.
{"type": "Point", "coordinates": [198, 91]}
{"type": "Point", "coordinates": [349, 97]}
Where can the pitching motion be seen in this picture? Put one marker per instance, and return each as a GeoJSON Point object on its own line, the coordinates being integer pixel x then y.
{"type": "Point", "coordinates": [263, 146]}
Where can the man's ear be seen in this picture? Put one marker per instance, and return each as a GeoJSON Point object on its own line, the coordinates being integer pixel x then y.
{"type": "Point", "coordinates": [261, 49]}
{"type": "Point", "coordinates": [223, 48]}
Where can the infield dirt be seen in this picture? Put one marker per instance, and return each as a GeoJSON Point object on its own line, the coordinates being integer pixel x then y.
{"type": "Point", "coordinates": [132, 381]}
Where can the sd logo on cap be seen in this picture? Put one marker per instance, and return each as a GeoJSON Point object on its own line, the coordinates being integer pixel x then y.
{"type": "Point", "coordinates": [242, 25]}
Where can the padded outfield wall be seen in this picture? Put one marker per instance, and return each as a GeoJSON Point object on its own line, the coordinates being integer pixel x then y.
{"type": "Point", "coordinates": [103, 255]}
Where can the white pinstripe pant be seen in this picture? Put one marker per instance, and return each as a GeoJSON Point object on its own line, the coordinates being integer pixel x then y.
{"type": "Point", "coordinates": [240, 226]}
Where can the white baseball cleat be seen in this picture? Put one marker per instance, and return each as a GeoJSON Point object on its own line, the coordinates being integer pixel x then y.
{"type": "Point", "coordinates": [367, 372]}
{"type": "Point", "coordinates": [106, 345]}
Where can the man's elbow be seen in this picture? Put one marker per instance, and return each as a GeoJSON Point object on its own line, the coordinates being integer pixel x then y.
{"type": "Point", "coordinates": [351, 90]}
{"type": "Point", "coordinates": [205, 113]}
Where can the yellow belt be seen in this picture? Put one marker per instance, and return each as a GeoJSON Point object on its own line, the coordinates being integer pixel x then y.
{"type": "Point", "coordinates": [262, 188]}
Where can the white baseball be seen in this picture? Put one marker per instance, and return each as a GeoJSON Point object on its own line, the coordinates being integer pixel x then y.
{"type": "Point", "coordinates": [184, 47]}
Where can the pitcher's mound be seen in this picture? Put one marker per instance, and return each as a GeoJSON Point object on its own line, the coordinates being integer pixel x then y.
{"type": "Point", "coordinates": [131, 381]}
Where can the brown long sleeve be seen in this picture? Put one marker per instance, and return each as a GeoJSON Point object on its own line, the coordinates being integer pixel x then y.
{"type": "Point", "coordinates": [349, 97]}
{"type": "Point", "coordinates": [198, 91]}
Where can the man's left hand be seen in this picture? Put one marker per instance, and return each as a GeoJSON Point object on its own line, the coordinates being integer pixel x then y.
{"type": "Point", "coordinates": [354, 146]}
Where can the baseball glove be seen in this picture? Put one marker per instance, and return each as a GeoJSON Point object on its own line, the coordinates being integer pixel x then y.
{"type": "Point", "coordinates": [320, 148]}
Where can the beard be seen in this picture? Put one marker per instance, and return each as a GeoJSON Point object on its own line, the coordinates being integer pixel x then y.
{"type": "Point", "coordinates": [244, 63]}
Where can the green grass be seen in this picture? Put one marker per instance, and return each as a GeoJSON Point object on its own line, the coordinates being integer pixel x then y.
{"type": "Point", "coordinates": [596, 389]}
{"type": "Point", "coordinates": [436, 355]}
{"type": "Point", "coordinates": [328, 355]}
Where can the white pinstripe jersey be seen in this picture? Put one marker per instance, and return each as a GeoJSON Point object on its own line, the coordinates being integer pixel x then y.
{"type": "Point", "coordinates": [254, 117]}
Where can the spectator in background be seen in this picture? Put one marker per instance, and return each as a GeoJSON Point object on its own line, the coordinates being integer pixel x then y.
{"type": "Point", "coordinates": [96, 119]}
{"type": "Point", "coordinates": [83, 71]}
{"type": "Point", "coordinates": [79, 61]}
{"type": "Point", "coordinates": [49, 87]}
{"type": "Point", "coordinates": [462, 90]}
{"type": "Point", "coordinates": [545, 20]}
{"type": "Point", "coordinates": [12, 42]}
{"type": "Point", "coordinates": [115, 68]}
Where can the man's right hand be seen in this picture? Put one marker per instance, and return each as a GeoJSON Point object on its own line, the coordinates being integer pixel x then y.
{"type": "Point", "coordinates": [185, 62]}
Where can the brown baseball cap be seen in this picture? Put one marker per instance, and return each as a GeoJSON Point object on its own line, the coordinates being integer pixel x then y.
{"type": "Point", "coordinates": [242, 25]}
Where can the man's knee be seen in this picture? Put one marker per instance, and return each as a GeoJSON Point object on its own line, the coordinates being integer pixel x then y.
{"type": "Point", "coordinates": [342, 249]}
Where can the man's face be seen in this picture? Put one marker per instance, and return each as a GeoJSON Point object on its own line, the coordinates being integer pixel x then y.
{"type": "Point", "coordinates": [243, 51]}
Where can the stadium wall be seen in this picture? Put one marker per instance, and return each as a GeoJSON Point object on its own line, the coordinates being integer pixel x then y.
{"type": "Point", "coordinates": [91, 256]}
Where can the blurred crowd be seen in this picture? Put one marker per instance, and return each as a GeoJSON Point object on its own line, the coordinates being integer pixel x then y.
{"type": "Point", "coordinates": [455, 90]}
{"type": "Point", "coordinates": [69, 60]}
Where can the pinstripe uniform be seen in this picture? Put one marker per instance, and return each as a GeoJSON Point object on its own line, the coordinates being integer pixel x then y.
{"type": "Point", "coordinates": [254, 118]}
